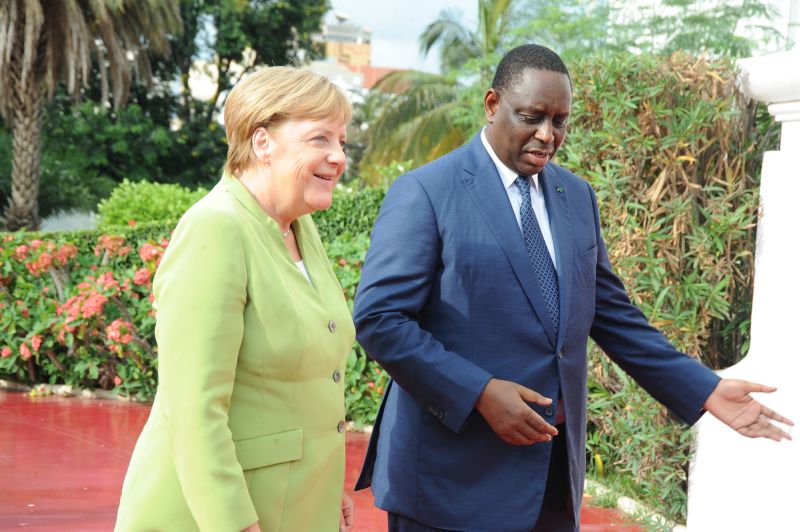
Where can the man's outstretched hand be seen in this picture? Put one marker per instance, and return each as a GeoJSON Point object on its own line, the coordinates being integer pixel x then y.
{"type": "Point", "coordinates": [503, 404]}
{"type": "Point", "coordinates": [731, 403]}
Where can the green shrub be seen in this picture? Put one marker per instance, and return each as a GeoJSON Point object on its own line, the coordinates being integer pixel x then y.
{"type": "Point", "coordinates": [351, 214]}
{"type": "Point", "coordinates": [672, 151]}
{"type": "Point", "coordinates": [76, 309]}
{"type": "Point", "coordinates": [145, 201]}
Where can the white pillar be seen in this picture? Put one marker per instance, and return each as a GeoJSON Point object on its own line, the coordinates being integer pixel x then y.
{"type": "Point", "coordinates": [736, 483]}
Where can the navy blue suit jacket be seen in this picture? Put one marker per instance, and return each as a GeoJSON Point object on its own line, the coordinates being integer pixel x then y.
{"type": "Point", "coordinates": [448, 299]}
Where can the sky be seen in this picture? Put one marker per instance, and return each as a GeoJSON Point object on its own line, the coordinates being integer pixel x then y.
{"type": "Point", "coordinates": [397, 24]}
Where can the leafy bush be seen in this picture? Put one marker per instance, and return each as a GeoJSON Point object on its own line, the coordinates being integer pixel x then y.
{"type": "Point", "coordinates": [146, 202]}
{"type": "Point", "coordinates": [351, 214]}
{"type": "Point", "coordinates": [79, 314]}
{"type": "Point", "coordinates": [671, 149]}
{"type": "Point", "coordinates": [76, 309]}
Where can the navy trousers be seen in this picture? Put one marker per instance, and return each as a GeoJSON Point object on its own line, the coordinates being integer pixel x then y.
{"type": "Point", "coordinates": [556, 513]}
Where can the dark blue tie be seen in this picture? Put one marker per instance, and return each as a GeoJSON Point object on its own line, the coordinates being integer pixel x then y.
{"type": "Point", "coordinates": [537, 251]}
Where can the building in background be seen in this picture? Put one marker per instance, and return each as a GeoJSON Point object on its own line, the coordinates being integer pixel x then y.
{"type": "Point", "coordinates": [348, 51]}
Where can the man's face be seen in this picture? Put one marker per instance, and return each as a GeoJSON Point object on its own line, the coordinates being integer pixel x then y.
{"type": "Point", "coordinates": [528, 120]}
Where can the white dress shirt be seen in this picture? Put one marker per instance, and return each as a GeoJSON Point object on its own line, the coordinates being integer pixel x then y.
{"type": "Point", "coordinates": [508, 176]}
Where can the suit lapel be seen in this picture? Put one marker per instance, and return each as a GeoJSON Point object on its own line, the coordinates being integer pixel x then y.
{"type": "Point", "coordinates": [556, 197]}
{"type": "Point", "coordinates": [485, 187]}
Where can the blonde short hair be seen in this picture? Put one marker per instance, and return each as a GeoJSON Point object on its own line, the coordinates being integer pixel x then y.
{"type": "Point", "coordinates": [269, 97]}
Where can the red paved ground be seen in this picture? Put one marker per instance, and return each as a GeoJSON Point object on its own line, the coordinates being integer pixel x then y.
{"type": "Point", "coordinates": [62, 461]}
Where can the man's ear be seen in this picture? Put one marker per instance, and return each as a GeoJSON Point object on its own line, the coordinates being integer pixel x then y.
{"type": "Point", "coordinates": [490, 103]}
{"type": "Point", "coordinates": [262, 144]}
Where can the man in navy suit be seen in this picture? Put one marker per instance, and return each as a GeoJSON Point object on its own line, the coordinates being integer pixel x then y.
{"type": "Point", "coordinates": [486, 275]}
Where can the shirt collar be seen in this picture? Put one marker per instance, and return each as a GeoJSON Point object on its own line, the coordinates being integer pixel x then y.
{"type": "Point", "coordinates": [507, 175]}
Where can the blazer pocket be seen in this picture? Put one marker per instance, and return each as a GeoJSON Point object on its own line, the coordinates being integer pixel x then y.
{"type": "Point", "coordinates": [270, 449]}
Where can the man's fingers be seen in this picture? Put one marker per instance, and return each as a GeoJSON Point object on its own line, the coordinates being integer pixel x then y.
{"type": "Point", "coordinates": [758, 388]}
{"type": "Point", "coordinates": [530, 396]}
{"type": "Point", "coordinates": [776, 416]}
{"type": "Point", "coordinates": [538, 424]}
{"type": "Point", "coordinates": [526, 437]}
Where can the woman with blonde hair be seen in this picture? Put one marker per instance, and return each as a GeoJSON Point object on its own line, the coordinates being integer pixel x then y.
{"type": "Point", "coordinates": [247, 426]}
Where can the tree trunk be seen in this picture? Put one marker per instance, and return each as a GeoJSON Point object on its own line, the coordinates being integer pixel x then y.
{"type": "Point", "coordinates": [26, 123]}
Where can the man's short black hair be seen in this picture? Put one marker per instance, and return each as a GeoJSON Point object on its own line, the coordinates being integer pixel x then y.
{"type": "Point", "coordinates": [521, 58]}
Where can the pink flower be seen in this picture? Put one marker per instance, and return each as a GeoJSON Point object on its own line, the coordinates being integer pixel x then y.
{"type": "Point", "coordinates": [24, 352]}
{"type": "Point", "coordinates": [66, 252]}
{"type": "Point", "coordinates": [117, 381]}
{"type": "Point", "coordinates": [141, 277]}
{"type": "Point", "coordinates": [120, 331]}
{"type": "Point", "coordinates": [36, 342]}
{"type": "Point", "coordinates": [5, 352]}
{"type": "Point", "coordinates": [371, 384]}
{"type": "Point", "coordinates": [93, 305]}
{"type": "Point", "coordinates": [108, 282]}
{"type": "Point", "coordinates": [149, 252]}
{"type": "Point", "coordinates": [36, 243]}
{"type": "Point", "coordinates": [21, 252]}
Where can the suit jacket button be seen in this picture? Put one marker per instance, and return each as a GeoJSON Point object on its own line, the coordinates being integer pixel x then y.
{"type": "Point", "coordinates": [336, 375]}
{"type": "Point", "coordinates": [332, 326]}
{"type": "Point", "coordinates": [340, 426]}
{"type": "Point", "coordinates": [561, 353]}
{"type": "Point", "coordinates": [548, 411]}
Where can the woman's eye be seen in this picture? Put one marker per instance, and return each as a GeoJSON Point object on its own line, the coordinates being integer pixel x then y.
{"type": "Point", "coordinates": [320, 139]}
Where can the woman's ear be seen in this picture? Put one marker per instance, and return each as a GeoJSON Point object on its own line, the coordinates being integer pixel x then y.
{"type": "Point", "coordinates": [262, 144]}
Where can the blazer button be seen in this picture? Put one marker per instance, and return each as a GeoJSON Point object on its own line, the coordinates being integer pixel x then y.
{"type": "Point", "coordinates": [340, 426]}
{"type": "Point", "coordinates": [336, 375]}
{"type": "Point", "coordinates": [561, 353]}
{"type": "Point", "coordinates": [332, 326]}
{"type": "Point", "coordinates": [548, 411]}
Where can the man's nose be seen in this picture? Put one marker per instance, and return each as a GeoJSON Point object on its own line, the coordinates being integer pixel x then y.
{"type": "Point", "coordinates": [544, 133]}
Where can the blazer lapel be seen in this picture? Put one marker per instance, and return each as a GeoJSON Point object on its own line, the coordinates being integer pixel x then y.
{"type": "Point", "coordinates": [556, 197]}
{"type": "Point", "coordinates": [483, 184]}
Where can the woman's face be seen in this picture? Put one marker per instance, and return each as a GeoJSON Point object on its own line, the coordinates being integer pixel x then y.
{"type": "Point", "coordinates": [307, 160]}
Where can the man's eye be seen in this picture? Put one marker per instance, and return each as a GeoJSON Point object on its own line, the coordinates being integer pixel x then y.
{"type": "Point", "coordinates": [530, 119]}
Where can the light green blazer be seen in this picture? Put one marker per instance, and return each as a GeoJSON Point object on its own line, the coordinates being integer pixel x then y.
{"type": "Point", "coordinates": [247, 423]}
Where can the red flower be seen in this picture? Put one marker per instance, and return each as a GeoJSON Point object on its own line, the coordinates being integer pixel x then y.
{"type": "Point", "coordinates": [5, 352]}
{"type": "Point", "coordinates": [24, 352]}
{"type": "Point", "coordinates": [120, 331]}
{"type": "Point", "coordinates": [141, 277]}
{"type": "Point", "coordinates": [117, 381]}
{"type": "Point", "coordinates": [132, 223]}
{"type": "Point", "coordinates": [21, 252]}
{"type": "Point", "coordinates": [36, 342]}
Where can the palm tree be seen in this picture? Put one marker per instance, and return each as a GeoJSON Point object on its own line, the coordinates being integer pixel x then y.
{"type": "Point", "coordinates": [47, 42]}
{"type": "Point", "coordinates": [415, 110]}
{"type": "Point", "coordinates": [457, 44]}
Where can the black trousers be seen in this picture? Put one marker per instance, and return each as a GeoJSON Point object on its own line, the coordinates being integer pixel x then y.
{"type": "Point", "coordinates": [556, 512]}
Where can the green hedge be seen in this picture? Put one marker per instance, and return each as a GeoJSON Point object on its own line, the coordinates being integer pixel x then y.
{"type": "Point", "coordinates": [143, 202]}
